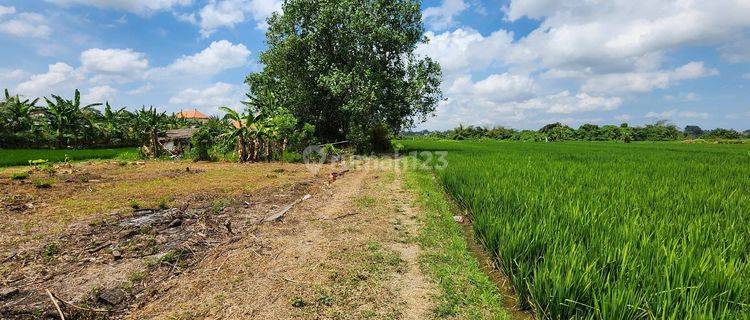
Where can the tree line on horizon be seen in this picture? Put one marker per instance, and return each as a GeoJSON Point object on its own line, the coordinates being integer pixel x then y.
{"type": "Point", "coordinates": [659, 131]}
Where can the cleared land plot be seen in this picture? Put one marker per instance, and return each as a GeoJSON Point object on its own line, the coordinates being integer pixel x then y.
{"type": "Point", "coordinates": [611, 231]}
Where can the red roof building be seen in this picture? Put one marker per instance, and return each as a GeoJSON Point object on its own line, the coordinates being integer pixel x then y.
{"type": "Point", "coordinates": [192, 114]}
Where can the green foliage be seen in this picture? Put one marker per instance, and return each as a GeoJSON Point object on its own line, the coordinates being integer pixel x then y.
{"type": "Point", "coordinates": [292, 157]}
{"type": "Point", "coordinates": [19, 176]}
{"type": "Point", "coordinates": [15, 157]}
{"type": "Point", "coordinates": [206, 142]}
{"type": "Point", "coordinates": [43, 183]}
{"type": "Point", "coordinates": [609, 230]}
{"type": "Point", "coordinates": [365, 74]}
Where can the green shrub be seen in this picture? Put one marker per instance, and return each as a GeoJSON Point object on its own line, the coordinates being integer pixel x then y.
{"type": "Point", "coordinates": [291, 157]}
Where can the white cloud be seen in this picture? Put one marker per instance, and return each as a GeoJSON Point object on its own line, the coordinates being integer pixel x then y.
{"type": "Point", "coordinates": [24, 24]}
{"type": "Point", "coordinates": [684, 96]}
{"type": "Point", "coordinates": [565, 103]}
{"type": "Point", "coordinates": [142, 89]}
{"type": "Point", "coordinates": [210, 98]}
{"type": "Point", "coordinates": [99, 94]}
{"type": "Point", "coordinates": [7, 10]}
{"type": "Point", "coordinates": [119, 65]}
{"type": "Point", "coordinates": [229, 13]}
{"type": "Point", "coordinates": [496, 87]}
{"type": "Point", "coordinates": [746, 76]}
{"type": "Point", "coordinates": [442, 17]}
{"type": "Point", "coordinates": [59, 77]}
{"type": "Point", "coordinates": [219, 56]}
{"type": "Point", "coordinates": [466, 49]}
{"type": "Point", "coordinates": [674, 113]}
{"type": "Point", "coordinates": [645, 81]}
{"type": "Point", "coordinates": [623, 117]}
{"type": "Point", "coordinates": [15, 74]}
{"type": "Point", "coordinates": [142, 7]}
{"type": "Point", "coordinates": [616, 33]}
{"type": "Point", "coordinates": [736, 51]}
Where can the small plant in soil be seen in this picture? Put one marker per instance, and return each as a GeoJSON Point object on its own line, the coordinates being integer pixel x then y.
{"type": "Point", "coordinates": [134, 204]}
{"type": "Point", "coordinates": [50, 250]}
{"type": "Point", "coordinates": [43, 183]}
{"type": "Point", "coordinates": [297, 302]}
{"type": "Point", "coordinates": [19, 176]}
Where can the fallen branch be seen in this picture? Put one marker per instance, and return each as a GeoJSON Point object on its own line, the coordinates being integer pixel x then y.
{"type": "Point", "coordinates": [70, 304]}
{"type": "Point", "coordinates": [280, 214]}
{"type": "Point", "coordinates": [59, 311]}
{"type": "Point", "coordinates": [346, 215]}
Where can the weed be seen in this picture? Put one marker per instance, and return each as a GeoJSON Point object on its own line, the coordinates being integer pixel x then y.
{"type": "Point", "coordinates": [50, 250]}
{"type": "Point", "coordinates": [134, 204]}
{"type": "Point", "coordinates": [43, 183]}
{"type": "Point", "coordinates": [19, 176]}
{"type": "Point", "coordinates": [297, 302]}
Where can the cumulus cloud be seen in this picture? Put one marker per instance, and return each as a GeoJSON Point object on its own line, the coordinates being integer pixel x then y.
{"type": "Point", "coordinates": [496, 87]}
{"type": "Point", "coordinates": [119, 65]}
{"type": "Point", "coordinates": [229, 13]}
{"type": "Point", "coordinates": [466, 49]}
{"type": "Point", "coordinates": [736, 51]}
{"type": "Point", "coordinates": [219, 56]}
{"type": "Point", "coordinates": [59, 77]}
{"type": "Point", "coordinates": [213, 97]}
{"type": "Point", "coordinates": [575, 33]}
{"type": "Point", "coordinates": [142, 7]}
{"type": "Point", "coordinates": [442, 17]}
{"type": "Point", "coordinates": [645, 81]}
{"type": "Point", "coordinates": [99, 94]}
{"type": "Point", "coordinates": [24, 24]}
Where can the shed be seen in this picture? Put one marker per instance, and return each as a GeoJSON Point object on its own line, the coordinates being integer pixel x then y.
{"type": "Point", "coordinates": [177, 141]}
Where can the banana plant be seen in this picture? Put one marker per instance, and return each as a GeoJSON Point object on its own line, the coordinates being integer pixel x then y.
{"type": "Point", "coordinates": [152, 122]}
{"type": "Point", "coordinates": [16, 113]}
{"type": "Point", "coordinates": [66, 116]}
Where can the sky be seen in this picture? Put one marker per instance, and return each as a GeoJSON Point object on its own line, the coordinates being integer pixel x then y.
{"type": "Point", "coordinates": [514, 63]}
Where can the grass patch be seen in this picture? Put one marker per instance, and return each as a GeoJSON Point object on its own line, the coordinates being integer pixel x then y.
{"type": "Point", "coordinates": [466, 291]}
{"type": "Point", "coordinates": [16, 157]}
{"type": "Point", "coordinates": [19, 176]}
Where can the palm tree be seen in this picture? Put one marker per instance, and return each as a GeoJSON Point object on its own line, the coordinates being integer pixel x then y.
{"type": "Point", "coordinates": [152, 123]}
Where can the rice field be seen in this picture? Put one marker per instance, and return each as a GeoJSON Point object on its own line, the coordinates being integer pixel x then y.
{"type": "Point", "coordinates": [15, 157]}
{"type": "Point", "coordinates": [609, 230]}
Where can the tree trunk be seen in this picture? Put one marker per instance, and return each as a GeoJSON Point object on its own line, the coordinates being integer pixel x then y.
{"type": "Point", "coordinates": [268, 150]}
{"type": "Point", "coordinates": [256, 146]}
{"type": "Point", "coordinates": [242, 148]}
{"type": "Point", "coordinates": [59, 138]}
{"type": "Point", "coordinates": [155, 143]}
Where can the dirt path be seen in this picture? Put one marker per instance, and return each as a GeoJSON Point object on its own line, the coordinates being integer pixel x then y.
{"type": "Point", "coordinates": [414, 287]}
{"type": "Point", "coordinates": [346, 253]}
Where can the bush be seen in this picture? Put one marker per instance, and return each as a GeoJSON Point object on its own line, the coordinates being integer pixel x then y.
{"type": "Point", "coordinates": [292, 157]}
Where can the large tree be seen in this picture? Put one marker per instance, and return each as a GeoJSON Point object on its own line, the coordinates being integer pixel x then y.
{"type": "Point", "coordinates": [348, 67]}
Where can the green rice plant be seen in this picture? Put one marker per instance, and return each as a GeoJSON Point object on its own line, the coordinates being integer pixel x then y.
{"type": "Point", "coordinates": [16, 157]}
{"type": "Point", "coordinates": [588, 230]}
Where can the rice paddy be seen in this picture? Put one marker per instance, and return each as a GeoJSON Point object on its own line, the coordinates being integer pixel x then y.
{"type": "Point", "coordinates": [609, 230]}
{"type": "Point", "coordinates": [15, 157]}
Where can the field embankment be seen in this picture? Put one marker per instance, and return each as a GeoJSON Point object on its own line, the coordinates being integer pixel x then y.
{"type": "Point", "coordinates": [611, 231]}
{"type": "Point", "coordinates": [16, 157]}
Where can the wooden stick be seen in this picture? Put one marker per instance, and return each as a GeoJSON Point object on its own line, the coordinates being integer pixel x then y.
{"type": "Point", "coordinates": [70, 304]}
{"type": "Point", "coordinates": [59, 311]}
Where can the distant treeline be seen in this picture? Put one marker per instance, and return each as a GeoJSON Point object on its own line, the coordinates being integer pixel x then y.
{"type": "Point", "coordinates": [660, 131]}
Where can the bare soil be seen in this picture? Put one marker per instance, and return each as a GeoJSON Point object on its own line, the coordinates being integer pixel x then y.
{"type": "Point", "coordinates": [178, 240]}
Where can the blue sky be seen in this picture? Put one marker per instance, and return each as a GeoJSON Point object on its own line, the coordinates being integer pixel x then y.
{"type": "Point", "coordinates": [517, 63]}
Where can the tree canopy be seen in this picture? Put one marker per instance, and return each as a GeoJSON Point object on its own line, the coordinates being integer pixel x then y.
{"type": "Point", "coordinates": [349, 67]}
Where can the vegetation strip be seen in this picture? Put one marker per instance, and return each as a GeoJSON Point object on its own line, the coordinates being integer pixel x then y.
{"type": "Point", "coordinates": [466, 291]}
